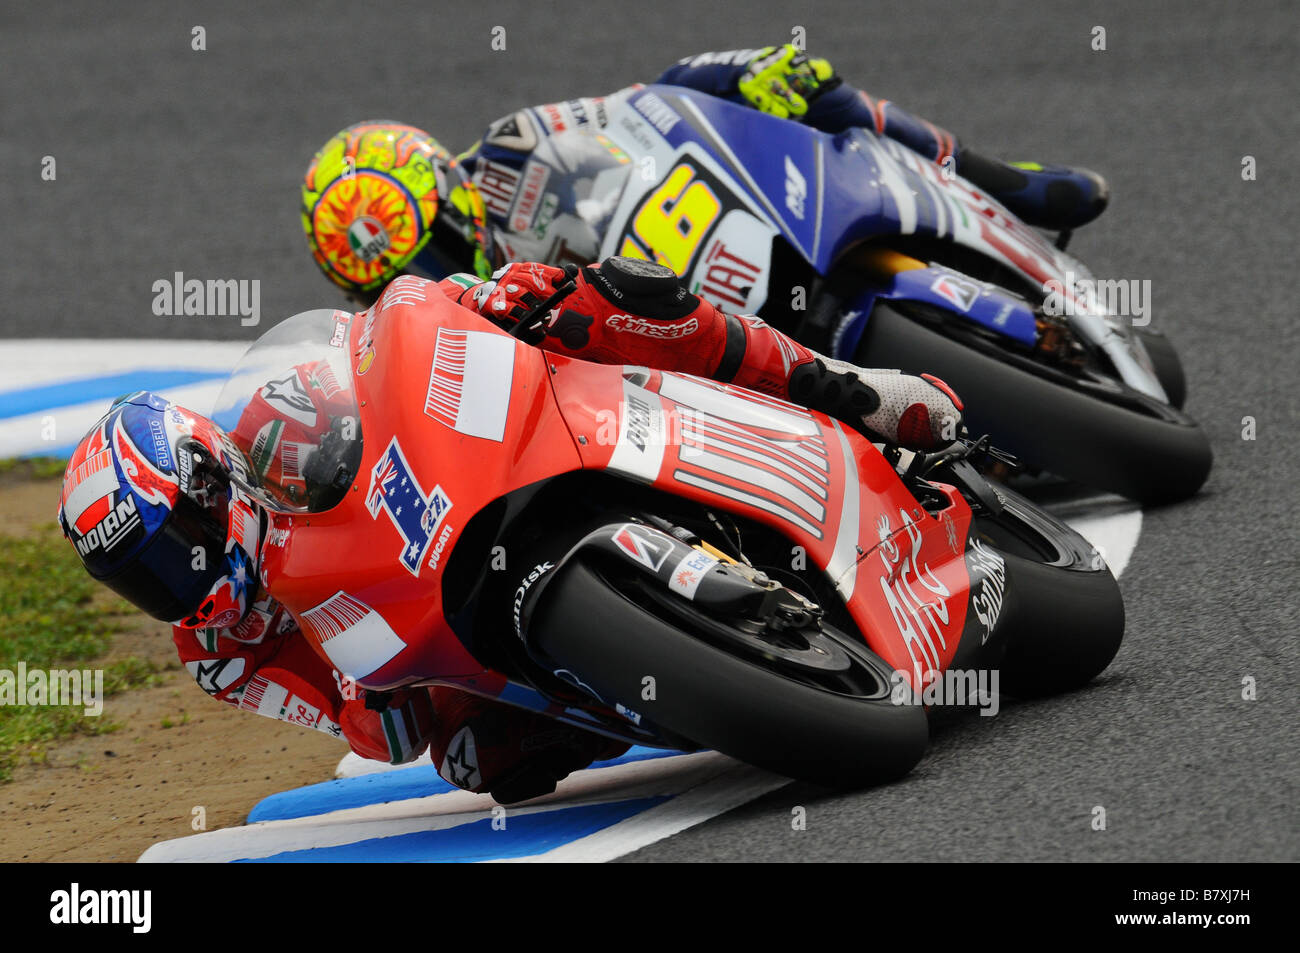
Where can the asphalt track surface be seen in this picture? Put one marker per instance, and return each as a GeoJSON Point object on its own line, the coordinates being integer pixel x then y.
{"type": "Point", "coordinates": [174, 160]}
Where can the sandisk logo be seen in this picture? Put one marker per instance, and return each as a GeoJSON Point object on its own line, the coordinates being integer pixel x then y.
{"type": "Point", "coordinates": [540, 570]}
{"type": "Point", "coordinates": [651, 329]}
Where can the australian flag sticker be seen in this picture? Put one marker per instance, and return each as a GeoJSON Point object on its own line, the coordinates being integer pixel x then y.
{"type": "Point", "coordinates": [393, 488]}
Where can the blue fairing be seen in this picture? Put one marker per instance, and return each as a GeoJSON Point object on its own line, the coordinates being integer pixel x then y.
{"type": "Point", "coordinates": [853, 186]}
{"type": "Point", "coordinates": [763, 153]}
{"type": "Point", "coordinates": [984, 304]}
{"type": "Point", "coordinates": [827, 193]}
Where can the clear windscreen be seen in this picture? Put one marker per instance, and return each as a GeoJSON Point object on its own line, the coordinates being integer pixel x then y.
{"type": "Point", "coordinates": [291, 407]}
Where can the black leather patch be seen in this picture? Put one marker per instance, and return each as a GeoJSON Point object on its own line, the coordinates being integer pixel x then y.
{"type": "Point", "coordinates": [573, 329]}
{"type": "Point", "coordinates": [733, 355]}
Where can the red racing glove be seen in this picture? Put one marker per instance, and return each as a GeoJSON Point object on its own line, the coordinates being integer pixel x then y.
{"type": "Point", "coordinates": [629, 311]}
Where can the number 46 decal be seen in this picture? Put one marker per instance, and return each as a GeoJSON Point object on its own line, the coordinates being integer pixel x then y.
{"type": "Point", "coordinates": [674, 219]}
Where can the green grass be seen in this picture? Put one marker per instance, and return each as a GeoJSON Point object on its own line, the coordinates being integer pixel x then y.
{"type": "Point", "coordinates": [32, 468]}
{"type": "Point", "coordinates": [48, 619]}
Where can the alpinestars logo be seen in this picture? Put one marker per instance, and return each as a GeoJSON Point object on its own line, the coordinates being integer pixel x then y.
{"type": "Point", "coordinates": [651, 329]}
{"type": "Point", "coordinates": [214, 676]}
{"type": "Point", "coordinates": [460, 766]}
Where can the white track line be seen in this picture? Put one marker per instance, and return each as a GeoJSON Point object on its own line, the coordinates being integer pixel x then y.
{"type": "Point", "coordinates": [637, 779]}
{"type": "Point", "coordinates": [739, 785]}
{"type": "Point", "coordinates": [28, 434]}
{"type": "Point", "coordinates": [33, 362]}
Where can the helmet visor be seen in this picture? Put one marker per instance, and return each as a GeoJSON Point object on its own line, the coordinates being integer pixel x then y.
{"type": "Point", "coordinates": [174, 573]}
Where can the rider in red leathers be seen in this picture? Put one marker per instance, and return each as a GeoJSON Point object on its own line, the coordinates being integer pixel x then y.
{"type": "Point", "coordinates": [243, 648]}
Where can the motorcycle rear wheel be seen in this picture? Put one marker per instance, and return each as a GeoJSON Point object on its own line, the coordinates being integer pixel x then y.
{"type": "Point", "coordinates": [1050, 424]}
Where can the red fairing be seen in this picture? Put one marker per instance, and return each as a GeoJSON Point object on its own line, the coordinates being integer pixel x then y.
{"type": "Point", "coordinates": [454, 413]}
{"type": "Point", "coordinates": [899, 569]}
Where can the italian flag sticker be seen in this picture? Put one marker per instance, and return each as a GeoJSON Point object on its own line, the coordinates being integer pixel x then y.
{"type": "Point", "coordinates": [268, 438]}
{"type": "Point", "coordinates": [367, 238]}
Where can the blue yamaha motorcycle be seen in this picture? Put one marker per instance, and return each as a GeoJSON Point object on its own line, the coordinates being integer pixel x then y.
{"type": "Point", "coordinates": [870, 253]}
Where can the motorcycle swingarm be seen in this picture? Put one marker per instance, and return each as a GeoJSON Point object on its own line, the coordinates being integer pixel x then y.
{"type": "Point", "coordinates": [716, 584]}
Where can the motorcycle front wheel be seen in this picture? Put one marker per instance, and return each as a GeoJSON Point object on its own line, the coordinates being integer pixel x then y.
{"type": "Point", "coordinates": [1064, 605]}
{"type": "Point", "coordinates": [817, 706]}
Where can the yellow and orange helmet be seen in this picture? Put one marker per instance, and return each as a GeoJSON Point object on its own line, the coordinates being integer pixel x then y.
{"type": "Point", "coordinates": [381, 199]}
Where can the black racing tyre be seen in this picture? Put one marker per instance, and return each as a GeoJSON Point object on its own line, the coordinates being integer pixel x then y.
{"type": "Point", "coordinates": [1168, 365]}
{"type": "Point", "coordinates": [1063, 606]}
{"type": "Point", "coordinates": [1157, 455]}
{"type": "Point", "coordinates": [841, 735]}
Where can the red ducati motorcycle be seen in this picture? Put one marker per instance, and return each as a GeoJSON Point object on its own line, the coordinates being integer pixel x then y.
{"type": "Point", "coordinates": [652, 556]}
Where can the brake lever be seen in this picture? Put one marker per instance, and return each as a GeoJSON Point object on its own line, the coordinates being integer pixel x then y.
{"type": "Point", "coordinates": [980, 453]}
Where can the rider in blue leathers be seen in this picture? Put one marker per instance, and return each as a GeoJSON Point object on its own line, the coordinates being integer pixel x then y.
{"type": "Point", "coordinates": [542, 182]}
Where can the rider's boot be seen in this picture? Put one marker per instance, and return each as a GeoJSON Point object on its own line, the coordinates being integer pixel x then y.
{"type": "Point", "coordinates": [1054, 197]}
{"type": "Point", "coordinates": [514, 755]}
{"type": "Point", "coordinates": [895, 408]}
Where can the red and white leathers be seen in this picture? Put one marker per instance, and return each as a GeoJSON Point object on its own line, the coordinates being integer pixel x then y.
{"type": "Point", "coordinates": [264, 664]}
{"type": "Point", "coordinates": [631, 312]}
